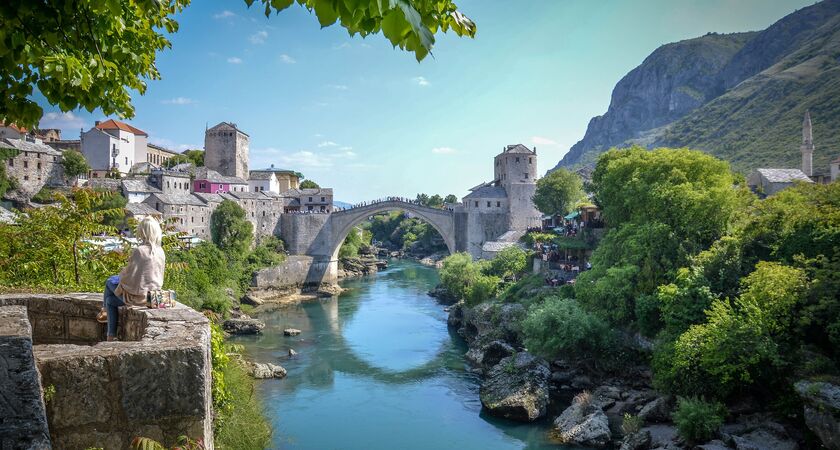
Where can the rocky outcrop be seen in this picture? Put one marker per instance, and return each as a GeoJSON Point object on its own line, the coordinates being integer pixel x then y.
{"type": "Point", "coordinates": [489, 355]}
{"type": "Point", "coordinates": [442, 295]}
{"type": "Point", "coordinates": [636, 441]}
{"type": "Point", "coordinates": [492, 321]}
{"type": "Point", "coordinates": [263, 371]}
{"type": "Point", "coordinates": [360, 266]}
{"type": "Point", "coordinates": [517, 388]}
{"type": "Point", "coordinates": [822, 410]}
{"type": "Point", "coordinates": [759, 431]}
{"type": "Point", "coordinates": [583, 423]}
{"type": "Point", "coordinates": [657, 410]}
{"type": "Point", "coordinates": [243, 325]}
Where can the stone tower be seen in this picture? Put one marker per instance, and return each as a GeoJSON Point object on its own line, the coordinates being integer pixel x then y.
{"type": "Point", "coordinates": [807, 147]}
{"type": "Point", "coordinates": [515, 169]}
{"type": "Point", "coordinates": [226, 150]}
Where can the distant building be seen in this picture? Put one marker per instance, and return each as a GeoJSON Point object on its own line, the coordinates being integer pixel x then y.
{"type": "Point", "coordinates": [226, 150]}
{"type": "Point", "coordinates": [835, 169]}
{"type": "Point", "coordinates": [36, 165]}
{"type": "Point", "coordinates": [12, 131]}
{"type": "Point", "coordinates": [308, 200]}
{"type": "Point", "coordinates": [286, 179]}
{"type": "Point", "coordinates": [765, 182]}
{"type": "Point", "coordinates": [171, 182]}
{"type": "Point", "coordinates": [263, 181]}
{"type": "Point", "coordinates": [212, 182]}
{"type": "Point", "coordinates": [158, 155]}
{"type": "Point", "coordinates": [113, 145]}
{"type": "Point", "coordinates": [138, 190]}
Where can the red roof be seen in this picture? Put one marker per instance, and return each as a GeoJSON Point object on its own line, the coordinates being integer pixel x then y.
{"type": "Point", "coordinates": [112, 124]}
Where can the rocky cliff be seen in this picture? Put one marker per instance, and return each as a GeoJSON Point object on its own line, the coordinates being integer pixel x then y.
{"type": "Point", "coordinates": [738, 96]}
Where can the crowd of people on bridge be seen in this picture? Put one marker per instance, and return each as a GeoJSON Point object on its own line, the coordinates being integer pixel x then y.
{"type": "Point", "coordinates": [411, 201]}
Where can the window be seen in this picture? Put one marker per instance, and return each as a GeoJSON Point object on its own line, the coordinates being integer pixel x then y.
{"type": "Point", "coordinates": [192, 219]}
{"type": "Point", "coordinates": [476, 203]}
{"type": "Point", "coordinates": [11, 162]}
{"type": "Point", "coordinates": [39, 166]}
{"type": "Point", "coordinates": [323, 199]}
{"type": "Point", "coordinates": [55, 158]}
{"type": "Point", "coordinates": [263, 213]}
{"type": "Point", "coordinates": [498, 204]}
{"type": "Point", "coordinates": [323, 208]}
{"type": "Point", "coordinates": [25, 164]}
{"type": "Point", "coordinates": [517, 159]}
{"type": "Point", "coordinates": [310, 199]}
{"type": "Point", "coordinates": [529, 160]}
{"type": "Point", "coordinates": [488, 204]}
{"type": "Point", "coordinates": [526, 175]}
{"type": "Point", "coordinates": [38, 155]}
{"type": "Point", "coordinates": [126, 160]}
{"type": "Point", "coordinates": [167, 185]}
{"type": "Point", "coordinates": [26, 177]}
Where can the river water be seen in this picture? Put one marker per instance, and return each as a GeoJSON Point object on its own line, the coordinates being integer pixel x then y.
{"type": "Point", "coordinates": [377, 368]}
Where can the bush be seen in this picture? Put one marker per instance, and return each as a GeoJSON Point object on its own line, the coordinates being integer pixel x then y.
{"type": "Point", "coordinates": [481, 289]}
{"type": "Point", "coordinates": [648, 315]}
{"type": "Point", "coordinates": [698, 420]}
{"type": "Point", "coordinates": [559, 326]}
{"type": "Point", "coordinates": [509, 263]}
{"type": "Point", "coordinates": [631, 424]}
{"type": "Point", "coordinates": [230, 230]}
{"type": "Point", "coordinates": [457, 272]}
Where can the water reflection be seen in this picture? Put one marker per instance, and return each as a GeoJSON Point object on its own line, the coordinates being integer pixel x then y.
{"type": "Point", "coordinates": [377, 368]}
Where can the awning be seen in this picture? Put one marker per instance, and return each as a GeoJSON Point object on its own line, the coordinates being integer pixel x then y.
{"type": "Point", "coordinates": [572, 215]}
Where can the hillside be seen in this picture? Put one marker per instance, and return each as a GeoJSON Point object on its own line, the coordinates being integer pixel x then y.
{"type": "Point", "coordinates": [738, 96]}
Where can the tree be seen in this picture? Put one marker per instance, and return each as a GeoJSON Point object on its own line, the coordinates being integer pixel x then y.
{"type": "Point", "coordinates": [194, 157]}
{"type": "Point", "coordinates": [435, 201]}
{"type": "Point", "coordinates": [230, 230]}
{"type": "Point", "coordinates": [508, 263]}
{"type": "Point", "coordinates": [75, 165]}
{"type": "Point", "coordinates": [423, 199]}
{"type": "Point", "coordinates": [451, 199]}
{"type": "Point", "coordinates": [90, 54]}
{"type": "Point", "coordinates": [309, 184]}
{"type": "Point", "coordinates": [558, 192]}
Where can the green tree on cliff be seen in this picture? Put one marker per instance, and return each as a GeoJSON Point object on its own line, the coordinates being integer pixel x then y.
{"type": "Point", "coordinates": [558, 192]}
{"type": "Point", "coordinates": [91, 54]}
{"type": "Point", "coordinates": [309, 184]}
{"type": "Point", "coordinates": [230, 230]}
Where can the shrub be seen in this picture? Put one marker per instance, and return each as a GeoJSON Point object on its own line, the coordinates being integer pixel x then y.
{"type": "Point", "coordinates": [509, 263]}
{"type": "Point", "coordinates": [560, 326]}
{"type": "Point", "coordinates": [230, 230]}
{"type": "Point", "coordinates": [631, 424]}
{"type": "Point", "coordinates": [481, 289]}
{"type": "Point", "coordinates": [457, 272]}
{"type": "Point", "coordinates": [648, 315]}
{"type": "Point", "coordinates": [698, 420]}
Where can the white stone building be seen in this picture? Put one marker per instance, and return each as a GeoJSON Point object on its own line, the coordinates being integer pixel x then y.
{"type": "Point", "coordinates": [113, 145]}
{"type": "Point", "coordinates": [263, 181]}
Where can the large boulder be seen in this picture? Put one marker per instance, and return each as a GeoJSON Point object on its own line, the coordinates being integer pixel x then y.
{"type": "Point", "coordinates": [822, 410]}
{"type": "Point", "coordinates": [491, 321]}
{"type": "Point", "coordinates": [583, 423]}
{"type": "Point", "coordinates": [517, 388]}
{"type": "Point", "coordinates": [657, 410]}
{"type": "Point", "coordinates": [456, 315]}
{"type": "Point", "coordinates": [488, 355]}
{"type": "Point", "coordinates": [263, 371]}
{"type": "Point", "coordinates": [759, 431]}
{"type": "Point", "coordinates": [243, 326]}
{"type": "Point", "coordinates": [639, 440]}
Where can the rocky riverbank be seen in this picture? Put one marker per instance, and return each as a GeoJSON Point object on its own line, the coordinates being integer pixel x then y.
{"type": "Point", "coordinates": [595, 409]}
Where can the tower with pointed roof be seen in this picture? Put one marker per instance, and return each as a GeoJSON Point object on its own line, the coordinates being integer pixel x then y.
{"type": "Point", "coordinates": [807, 147]}
{"type": "Point", "coordinates": [226, 150]}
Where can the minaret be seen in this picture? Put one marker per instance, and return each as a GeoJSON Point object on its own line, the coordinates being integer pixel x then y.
{"type": "Point", "coordinates": [807, 147]}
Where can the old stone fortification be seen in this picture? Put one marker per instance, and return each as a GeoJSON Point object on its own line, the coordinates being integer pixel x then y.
{"type": "Point", "coordinates": [154, 382]}
{"type": "Point", "coordinates": [298, 273]}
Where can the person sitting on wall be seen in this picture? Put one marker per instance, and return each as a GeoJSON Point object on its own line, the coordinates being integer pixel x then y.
{"type": "Point", "coordinates": [143, 273]}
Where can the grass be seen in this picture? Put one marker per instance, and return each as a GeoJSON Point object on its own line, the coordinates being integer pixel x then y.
{"type": "Point", "coordinates": [244, 425]}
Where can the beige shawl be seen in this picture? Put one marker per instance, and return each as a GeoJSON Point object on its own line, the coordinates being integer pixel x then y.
{"type": "Point", "coordinates": [143, 273]}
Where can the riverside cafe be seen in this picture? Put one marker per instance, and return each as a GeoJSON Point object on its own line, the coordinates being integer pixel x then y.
{"type": "Point", "coordinates": [584, 216]}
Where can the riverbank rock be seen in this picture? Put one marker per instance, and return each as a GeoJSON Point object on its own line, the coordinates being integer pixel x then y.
{"type": "Point", "coordinates": [493, 321]}
{"type": "Point", "coordinates": [252, 300]}
{"type": "Point", "coordinates": [657, 410]}
{"type": "Point", "coordinates": [487, 356]}
{"type": "Point", "coordinates": [456, 316]}
{"type": "Point", "coordinates": [442, 295]}
{"type": "Point", "coordinates": [517, 388]}
{"type": "Point", "coordinates": [291, 332]}
{"type": "Point", "coordinates": [639, 440]}
{"type": "Point", "coordinates": [583, 423]}
{"type": "Point", "coordinates": [822, 409]}
{"type": "Point", "coordinates": [243, 326]}
{"type": "Point", "coordinates": [759, 431]}
{"type": "Point", "coordinates": [264, 371]}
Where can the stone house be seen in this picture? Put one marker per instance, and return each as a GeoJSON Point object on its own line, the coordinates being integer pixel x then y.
{"type": "Point", "coordinates": [263, 181]}
{"type": "Point", "coordinates": [171, 182]}
{"type": "Point", "coordinates": [286, 179]}
{"type": "Point", "coordinates": [158, 155]}
{"type": "Point", "coordinates": [138, 190]}
{"type": "Point", "coordinates": [36, 165]}
{"type": "Point", "coordinates": [139, 211]}
{"type": "Point", "coordinates": [185, 212]}
{"type": "Point", "coordinates": [12, 131]}
{"type": "Point", "coordinates": [113, 145]}
{"type": "Point", "coordinates": [767, 182]}
{"type": "Point", "coordinates": [320, 200]}
{"type": "Point", "coordinates": [209, 181]}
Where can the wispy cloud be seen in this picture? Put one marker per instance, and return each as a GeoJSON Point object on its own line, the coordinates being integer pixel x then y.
{"type": "Point", "coordinates": [60, 120]}
{"type": "Point", "coordinates": [338, 87]}
{"type": "Point", "coordinates": [346, 148]}
{"type": "Point", "coordinates": [341, 46]}
{"type": "Point", "coordinates": [224, 15]}
{"type": "Point", "coordinates": [539, 140]}
{"type": "Point", "coordinates": [259, 37]}
{"type": "Point", "coordinates": [327, 144]}
{"type": "Point", "coordinates": [443, 150]}
{"type": "Point", "coordinates": [234, 60]}
{"type": "Point", "coordinates": [421, 81]}
{"type": "Point", "coordinates": [171, 145]}
{"type": "Point", "coordinates": [286, 59]}
{"type": "Point", "coordinates": [178, 101]}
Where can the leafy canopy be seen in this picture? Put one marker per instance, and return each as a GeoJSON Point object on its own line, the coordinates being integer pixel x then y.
{"type": "Point", "coordinates": [558, 192]}
{"type": "Point", "coordinates": [309, 184]}
{"type": "Point", "coordinates": [230, 230]}
{"type": "Point", "coordinates": [74, 164]}
{"type": "Point", "coordinates": [91, 54]}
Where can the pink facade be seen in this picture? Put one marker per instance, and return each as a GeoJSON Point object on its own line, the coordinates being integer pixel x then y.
{"type": "Point", "coordinates": [210, 187]}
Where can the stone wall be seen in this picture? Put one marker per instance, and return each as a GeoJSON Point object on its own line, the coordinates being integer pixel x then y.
{"type": "Point", "coordinates": [299, 232]}
{"type": "Point", "coordinates": [23, 420]}
{"type": "Point", "coordinates": [154, 382]}
{"type": "Point", "coordinates": [297, 272]}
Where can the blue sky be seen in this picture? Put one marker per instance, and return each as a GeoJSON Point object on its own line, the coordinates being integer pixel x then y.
{"type": "Point", "coordinates": [356, 115]}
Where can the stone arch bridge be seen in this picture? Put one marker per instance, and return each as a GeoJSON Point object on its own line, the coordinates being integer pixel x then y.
{"type": "Point", "coordinates": [320, 235]}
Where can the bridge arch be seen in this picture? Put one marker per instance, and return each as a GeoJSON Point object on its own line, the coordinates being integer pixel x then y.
{"type": "Point", "coordinates": [342, 222]}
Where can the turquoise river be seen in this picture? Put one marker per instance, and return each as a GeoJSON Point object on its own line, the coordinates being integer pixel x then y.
{"type": "Point", "coordinates": [377, 368]}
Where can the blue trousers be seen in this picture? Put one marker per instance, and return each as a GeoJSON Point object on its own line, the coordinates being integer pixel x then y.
{"type": "Point", "coordinates": [112, 302]}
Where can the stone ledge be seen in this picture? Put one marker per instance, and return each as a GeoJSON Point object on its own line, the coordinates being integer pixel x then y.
{"type": "Point", "coordinates": [155, 382]}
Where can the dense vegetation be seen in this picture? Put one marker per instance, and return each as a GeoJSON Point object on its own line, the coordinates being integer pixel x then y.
{"type": "Point", "coordinates": [739, 295]}
{"type": "Point", "coordinates": [558, 192]}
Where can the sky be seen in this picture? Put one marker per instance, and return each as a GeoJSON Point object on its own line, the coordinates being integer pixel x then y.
{"type": "Point", "coordinates": [370, 121]}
